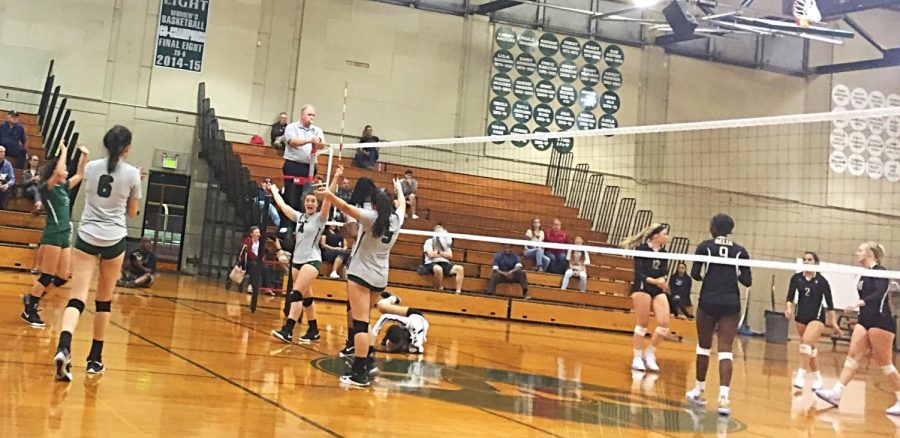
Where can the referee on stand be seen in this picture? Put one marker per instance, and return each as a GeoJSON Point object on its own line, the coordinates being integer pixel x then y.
{"type": "Point", "coordinates": [302, 140]}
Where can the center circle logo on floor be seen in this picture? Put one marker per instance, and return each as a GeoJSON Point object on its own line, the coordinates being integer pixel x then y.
{"type": "Point", "coordinates": [519, 393]}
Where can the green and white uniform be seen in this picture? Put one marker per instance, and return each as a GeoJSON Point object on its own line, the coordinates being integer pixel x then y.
{"type": "Point", "coordinates": [306, 237]}
{"type": "Point", "coordinates": [369, 263]}
{"type": "Point", "coordinates": [103, 228]}
{"type": "Point", "coordinates": [58, 228]}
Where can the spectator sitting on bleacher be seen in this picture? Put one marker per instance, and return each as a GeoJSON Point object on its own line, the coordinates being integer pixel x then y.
{"type": "Point", "coordinates": [334, 249]}
{"type": "Point", "coordinates": [578, 261]}
{"type": "Point", "coordinates": [366, 158]}
{"type": "Point", "coordinates": [277, 134]}
{"type": "Point", "coordinates": [507, 269]}
{"type": "Point", "coordinates": [12, 137]}
{"type": "Point", "coordinates": [680, 284]}
{"type": "Point", "coordinates": [410, 186]}
{"type": "Point", "coordinates": [437, 259]}
{"type": "Point", "coordinates": [7, 178]}
{"type": "Point", "coordinates": [31, 180]}
{"type": "Point", "coordinates": [536, 234]}
{"type": "Point", "coordinates": [140, 267]}
{"type": "Point", "coordinates": [556, 234]}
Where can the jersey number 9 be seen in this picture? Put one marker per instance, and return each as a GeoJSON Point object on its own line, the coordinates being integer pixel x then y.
{"type": "Point", "coordinates": [723, 251]}
{"type": "Point", "coordinates": [104, 186]}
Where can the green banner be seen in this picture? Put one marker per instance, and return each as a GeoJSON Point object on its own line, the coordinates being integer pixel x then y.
{"type": "Point", "coordinates": [181, 34]}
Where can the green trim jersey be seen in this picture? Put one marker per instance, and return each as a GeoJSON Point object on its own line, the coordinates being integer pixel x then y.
{"type": "Point", "coordinates": [106, 198]}
{"type": "Point", "coordinates": [56, 201]}
{"type": "Point", "coordinates": [371, 255]}
{"type": "Point", "coordinates": [306, 235]}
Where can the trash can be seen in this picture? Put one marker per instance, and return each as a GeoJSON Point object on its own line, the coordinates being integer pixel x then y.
{"type": "Point", "coordinates": [776, 327]}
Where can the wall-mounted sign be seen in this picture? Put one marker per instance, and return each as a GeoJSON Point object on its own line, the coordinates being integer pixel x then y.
{"type": "Point", "coordinates": [181, 34]}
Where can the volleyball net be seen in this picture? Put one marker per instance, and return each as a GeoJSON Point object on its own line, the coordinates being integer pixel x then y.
{"type": "Point", "coordinates": [822, 182]}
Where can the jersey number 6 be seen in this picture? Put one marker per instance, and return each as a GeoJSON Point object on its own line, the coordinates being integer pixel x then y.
{"type": "Point", "coordinates": [387, 237]}
{"type": "Point", "coordinates": [104, 186]}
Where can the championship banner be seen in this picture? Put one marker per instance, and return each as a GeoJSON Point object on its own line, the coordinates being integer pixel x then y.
{"type": "Point", "coordinates": [181, 34]}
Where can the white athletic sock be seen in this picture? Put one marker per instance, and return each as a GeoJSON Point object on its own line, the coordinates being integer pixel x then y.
{"type": "Point", "coordinates": [817, 375]}
{"type": "Point", "coordinates": [638, 352]}
{"type": "Point", "coordinates": [801, 373]}
{"type": "Point", "coordinates": [897, 393]}
{"type": "Point", "coordinates": [724, 391]}
{"type": "Point", "coordinates": [700, 386]}
{"type": "Point", "coordinates": [651, 350]}
{"type": "Point", "coordinates": [838, 388]}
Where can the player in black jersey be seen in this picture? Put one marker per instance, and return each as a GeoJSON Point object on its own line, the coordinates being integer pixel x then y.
{"type": "Point", "coordinates": [873, 335]}
{"type": "Point", "coordinates": [719, 309]}
{"type": "Point", "coordinates": [649, 291]}
{"type": "Point", "coordinates": [814, 301]}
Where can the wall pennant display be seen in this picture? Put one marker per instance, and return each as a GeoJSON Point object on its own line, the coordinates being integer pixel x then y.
{"type": "Point", "coordinates": [543, 82]}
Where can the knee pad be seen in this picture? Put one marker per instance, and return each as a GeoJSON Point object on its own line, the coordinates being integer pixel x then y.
{"type": "Point", "coordinates": [814, 352]}
{"type": "Point", "coordinates": [59, 281]}
{"type": "Point", "coordinates": [103, 306]}
{"type": "Point", "coordinates": [360, 327]}
{"type": "Point", "coordinates": [294, 296]}
{"type": "Point", "coordinates": [887, 370]}
{"type": "Point", "coordinates": [806, 349]}
{"type": "Point", "coordinates": [308, 302]}
{"type": "Point", "coordinates": [640, 331]}
{"type": "Point", "coordinates": [851, 363]}
{"type": "Point", "coordinates": [662, 331]}
{"type": "Point", "coordinates": [76, 304]}
{"type": "Point", "coordinates": [702, 351]}
{"type": "Point", "coordinates": [412, 312]}
{"type": "Point", "coordinates": [45, 279]}
{"type": "Point", "coordinates": [726, 355]}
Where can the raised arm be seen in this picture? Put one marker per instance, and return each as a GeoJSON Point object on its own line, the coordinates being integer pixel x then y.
{"type": "Point", "coordinates": [60, 166]}
{"type": "Point", "coordinates": [401, 200]}
{"type": "Point", "coordinates": [75, 180]}
{"type": "Point", "coordinates": [342, 205]}
{"type": "Point", "coordinates": [326, 203]}
{"type": "Point", "coordinates": [279, 201]}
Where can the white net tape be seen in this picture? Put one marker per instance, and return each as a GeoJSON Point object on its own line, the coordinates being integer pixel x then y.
{"type": "Point", "coordinates": [764, 264]}
{"type": "Point", "coordinates": [650, 129]}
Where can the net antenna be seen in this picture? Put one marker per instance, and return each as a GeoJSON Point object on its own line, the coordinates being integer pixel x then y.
{"type": "Point", "coordinates": [341, 140]}
{"type": "Point", "coordinates": [343, 120]}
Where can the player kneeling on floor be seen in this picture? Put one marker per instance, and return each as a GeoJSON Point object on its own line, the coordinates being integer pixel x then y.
{"type": "Point", "coordinates": [407, 328]}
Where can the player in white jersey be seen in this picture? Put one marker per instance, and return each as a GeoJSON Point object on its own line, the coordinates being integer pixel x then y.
{"type": "Point", "coordinates": [307, 259]}
{"type": "Point", "coordinates": [112, 189]}
{"type": "Point", "coordinates": [408, 329]}
{"type": "Point", "coordinates": [367, 274]}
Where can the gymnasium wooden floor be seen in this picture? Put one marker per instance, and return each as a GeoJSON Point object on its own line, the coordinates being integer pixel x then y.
{"type": "Point", "coordinates": [187, 358]}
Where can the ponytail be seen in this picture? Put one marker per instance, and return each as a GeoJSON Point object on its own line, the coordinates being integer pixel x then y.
{"type": "Point", "coordinates": [116, 140]}
{"type": "Point", "coordinates": [877, 250]}
{"type": "Point", "coordinates": [646, 234]}
{"type": "Point", "coordinates": [384, 206]}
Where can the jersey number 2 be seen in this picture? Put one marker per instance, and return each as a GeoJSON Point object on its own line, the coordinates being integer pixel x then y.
{"type": "Point", "coordinates": [104, 186]}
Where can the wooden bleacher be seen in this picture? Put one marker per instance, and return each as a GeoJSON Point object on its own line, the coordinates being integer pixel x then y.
{"type": "Point", "coordinates": [485, 206]}
{"type": "Point", "coordinates": [20, 231]}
